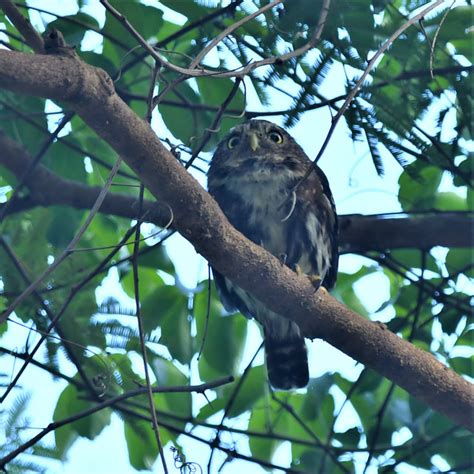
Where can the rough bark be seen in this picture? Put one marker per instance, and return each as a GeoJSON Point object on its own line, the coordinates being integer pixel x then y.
{"type": "Point", "coordinates": [197, 217]}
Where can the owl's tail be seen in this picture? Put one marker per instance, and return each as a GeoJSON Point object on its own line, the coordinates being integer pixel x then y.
{"type": "Point", "coordinates": [287, 360]}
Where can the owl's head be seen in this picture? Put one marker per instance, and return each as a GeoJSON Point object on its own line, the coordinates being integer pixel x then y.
{"type": "Point", "coordinates": [256, 138]}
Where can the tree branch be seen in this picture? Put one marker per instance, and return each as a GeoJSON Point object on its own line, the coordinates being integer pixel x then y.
{"type": "Point", "coordinates": [358, 233]}
{"type": "Point", "coordinates": [197, 217]}
{"type": "Point", "coordinates": [23, 25]}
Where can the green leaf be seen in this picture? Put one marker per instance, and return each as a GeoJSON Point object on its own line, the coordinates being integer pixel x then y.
{"type": "Point", "coordinates": [412, 258]}
{"type": "Point", "coordinates": [167, 308]}
{"type": "Point", "coordinates": [74, 27]}
{"type": "Point", "coordinates": [184, 123]}
{"type": "Point", "coordinates": [344, 290]}
{"type": "Point", "coordinates": [141, 443]}
{"type": "Point", "coordinates": [460, 260]}
{"type": "Point", "coordinates": [215, 91]}
{"type": "Point", "coordinates": [463, 365]}
{"type": "Point", "coordinates": [168, 375]}
{"type": "Point", "coordinates": [70, 403]}
{"type": "Point", "coordinates": [449, 319]}
{"type": "Point", "coordinates": [418, 186]}
{"type": "Point", "coordinates": [317, 392]}
{"type": "Point", "coordinates": [148, 282]}
{"type": "Point", "coordinates": [189, 8]}
{"type": "Point", "coordinates": [225, 337]}
{"type": "Point", "coordinates": [450, 201]}
{"type": "Point", "coordinates": [349, 438]}
{"type": "Point", "coordinates": [64, 225]}
{"type": "Point", "coordinates": [146, 19]}
{"type": "Point", "coordinates": [158, 259]}
{"type": "Point", "coordinates": [252, 389]}
{"type": "Point", "coordinates": [261, 421]}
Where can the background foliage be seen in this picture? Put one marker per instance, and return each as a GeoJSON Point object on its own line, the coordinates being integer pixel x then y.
{"type": "Point", "coordinates": [340, 423]}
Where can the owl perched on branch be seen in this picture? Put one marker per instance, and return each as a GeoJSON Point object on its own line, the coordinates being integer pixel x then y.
{"type": "Point", "coordinates": [252, 176]}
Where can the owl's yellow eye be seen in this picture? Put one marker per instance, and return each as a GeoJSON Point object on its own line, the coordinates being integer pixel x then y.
{"type": "Point", "coordinates": [233, 142]}
{"type": "Point", "coordinates": [276, 137]}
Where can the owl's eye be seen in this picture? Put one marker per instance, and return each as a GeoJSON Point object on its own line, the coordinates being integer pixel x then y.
{"type": "Point", "coordinates": [233, 142]}
{"type": "Point", "coordinates": [276, 137]}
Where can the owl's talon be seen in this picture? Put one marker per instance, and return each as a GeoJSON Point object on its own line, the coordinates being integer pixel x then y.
{"type": "Point", "coordinates": [315, 280]}
{"type": "Point", "coordinates": [282, 257]}
{"type": "Point", "coordinates": [298, 270]}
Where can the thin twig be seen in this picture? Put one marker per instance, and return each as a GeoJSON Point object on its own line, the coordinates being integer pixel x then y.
{"type": "Point", "coordinates": [230, 404]}
{"type": "Point", "coordinates": [32, 37]}
{"type": "Point", "coordinates": [197, 60]}
{"type": "Point", "coordinates": [216, 122]}
{"type": "Point", "coordinates": [208, 311]}
{"type": "Point", "coordinates": [359, 83]}
{"type": "Point", "coordinates": [136, 287]}
{"type": "Point", "coordinates": [239, 72]}
{"type": "Point", "coordinates": [74, 291]}
{"type": "Point", "coordinates": [69, 247]}
{"type": "Point", "coordinates": [112, 401]}
{"type": "Point", "coordinates": [435, 39]}
{"type": "Point", "coordinates": [34, 162]}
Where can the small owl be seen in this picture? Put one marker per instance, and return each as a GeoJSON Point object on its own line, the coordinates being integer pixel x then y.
{"type": "Point", "coordinates": [252, 177]}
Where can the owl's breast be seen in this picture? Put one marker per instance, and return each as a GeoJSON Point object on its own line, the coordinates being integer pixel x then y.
{"type": "Point", "coordinates": [258, 208]}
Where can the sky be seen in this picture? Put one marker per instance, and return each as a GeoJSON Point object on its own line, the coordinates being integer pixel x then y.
{"type": "Point", "coordinates": [356, 188]}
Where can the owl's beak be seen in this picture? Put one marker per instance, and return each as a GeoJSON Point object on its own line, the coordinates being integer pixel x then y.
{"type": "Point", "coordinates": [253, 140]}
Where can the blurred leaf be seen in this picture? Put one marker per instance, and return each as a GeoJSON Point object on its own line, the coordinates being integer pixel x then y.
{"type": "Point", "coordinates": [460, 260]}
{"type": "Point", "coordinates": [251, 390]}
{"type": "Point", "coordinates": [168, 375]}
{"type": "Point", "coordinates": [463, 365]}
{"type": "Point", "coordinates": [450, 201]}
{"type": "Point", "coordinates": [225, 337]}
{"type": "Point", "coordinates": [260, 421]}
{"type": "Point", "coordinates": [412, 258]}
{"type": "Point", "coordinates": [167, 308]}
{"type": "Point", "coordinates": [148, 282]}
{"type": "Point", "coordinates": [74, 27]}
{"type": "Point", "coordinates": [184, 122]}
{"type": "Point", "coordinates": [417, 191]}
{"type": "Point", "coordinates": [344, 290]}
{"type": "Point", "coordinates": [64, 225]}
{"type": "Point", "coordinates": [69, 404]}
{"type": "Point", "coordinates": [141, 443]}
{"type": "Point", "coordinates": [215, 91]}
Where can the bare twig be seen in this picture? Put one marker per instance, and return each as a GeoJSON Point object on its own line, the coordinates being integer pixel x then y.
{"type": "Point", "coordinates": [108, 403]}
{"type": "Point", "coordinates": [74, 291]}
{"type": "Point", "coordinates": [136, 287]}
{"type": "Point", "coordinates": [361, 80]}
{"type": "Point", "coordinates": [226, 32]}
{"type": "Point", "coordinates": [230, 404]}
{"type": "Point", "coordinates": [23, 25]}
{"type": "Point", "coordinates": [34, 162]}
{"type": "Point", "coordinates": [435, 39]}
{"type": "Point", "coordinates": [69, 247]}
{"type": "Point", "coordinates": [193, 71]}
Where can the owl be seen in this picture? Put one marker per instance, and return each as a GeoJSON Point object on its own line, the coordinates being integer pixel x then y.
{"type": "Point", "coordinates": [252, 176]}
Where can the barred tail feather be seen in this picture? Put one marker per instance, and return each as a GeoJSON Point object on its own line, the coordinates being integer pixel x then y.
{"type": "Point", "coordinates": [287, 362]}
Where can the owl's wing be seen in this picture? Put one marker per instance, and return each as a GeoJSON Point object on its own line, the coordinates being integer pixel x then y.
{"type": "Point", "coordinates": [314, 229]}
{"type": "Point", "coordinates": [331, 276]}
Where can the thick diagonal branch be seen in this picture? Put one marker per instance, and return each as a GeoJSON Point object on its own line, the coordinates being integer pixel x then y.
{"type": "Point", "coordinates": [197, 217]}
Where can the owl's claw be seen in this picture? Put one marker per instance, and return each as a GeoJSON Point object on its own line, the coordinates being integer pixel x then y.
{"type": "Point", "coordinates": [282, 257]}
{"type": "Point", "coordinates": [315, 280]}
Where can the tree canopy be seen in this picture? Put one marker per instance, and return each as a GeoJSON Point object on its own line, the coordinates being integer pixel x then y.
{"type": "Point", "coordinates": [90, 195]}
